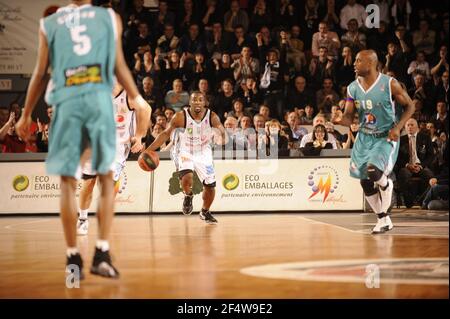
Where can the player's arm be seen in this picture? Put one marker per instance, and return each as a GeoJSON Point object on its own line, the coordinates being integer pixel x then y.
{"type": "Point", "coordinates": [37, 85]}
{"type": "Point", "coordinates": [349, 111]}
{"type": "Point", "coordinates": [215, 123]}
{"type": "Point", "coordinates": [401, 96]}
{"type": "Point", "coordinates": [175, 123]}
{"type": "Point", "coordinates": [143, 120]}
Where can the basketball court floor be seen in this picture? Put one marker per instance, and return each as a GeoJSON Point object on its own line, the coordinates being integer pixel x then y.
{"type": "Point", "coordinates": [270, 255]}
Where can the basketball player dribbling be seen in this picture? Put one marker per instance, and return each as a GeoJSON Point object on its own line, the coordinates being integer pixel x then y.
{"type": "Point", "coordinates": [377, 143]}
{"type": "Point", "coordinates": [192, 150]}
{"type": "Point", "coordinates": [81, 44]}
{"type": "Point", "coordinates": [131, 127]}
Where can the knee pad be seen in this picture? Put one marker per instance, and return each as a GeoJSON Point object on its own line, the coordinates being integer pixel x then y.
{"type": "Point", "coordinates": [368, 187]}
{"type": "Point", "coordinates": [374, 173]}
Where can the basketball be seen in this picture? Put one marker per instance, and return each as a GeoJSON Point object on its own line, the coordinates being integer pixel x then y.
{"type": "Point", "coordinates": [148, 160]}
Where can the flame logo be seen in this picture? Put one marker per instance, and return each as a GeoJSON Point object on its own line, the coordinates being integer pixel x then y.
{"type": "Point", "coordinates": [321, 188]}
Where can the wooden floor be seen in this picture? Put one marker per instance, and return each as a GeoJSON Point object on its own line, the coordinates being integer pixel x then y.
{"type": "Point", "coordinates": [175, 256]}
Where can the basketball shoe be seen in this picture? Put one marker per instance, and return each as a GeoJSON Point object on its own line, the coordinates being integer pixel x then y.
{"type": "Point", "coordinates": [82, 226]}
{"type": "Point", "coordinates": [75, 261]}
{"type": "Point", "coordinates": [207, 217]}
{"type": "Point", "coordinates": [102, 264]}
{"type": "Point", "coordinates": [384, 224]}
{"type": "Point", "coordinates": [187, 204]}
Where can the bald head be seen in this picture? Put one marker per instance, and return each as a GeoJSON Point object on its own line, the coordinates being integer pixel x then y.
{"type": "Point", "coordinates": [366, 62]}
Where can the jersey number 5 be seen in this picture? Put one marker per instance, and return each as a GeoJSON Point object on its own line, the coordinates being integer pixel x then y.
{"type": "Point", "coordinates": [82, 44]}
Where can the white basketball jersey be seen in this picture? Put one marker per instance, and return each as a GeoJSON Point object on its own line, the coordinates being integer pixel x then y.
{"type": "Point", "coordinates": [197, 136]}
{"type": "Point", "coordinates": [125, 124]}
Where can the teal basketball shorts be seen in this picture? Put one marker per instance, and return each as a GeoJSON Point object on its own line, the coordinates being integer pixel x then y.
{"type": "Point", "coordinates": [85, 121]}
{"type": "Point", "coordinates": [377, 151]}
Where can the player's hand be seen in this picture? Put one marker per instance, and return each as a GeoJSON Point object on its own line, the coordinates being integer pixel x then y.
{"type": "Point", "coordinates": [23, 128]}
{"type": "Point", "coordinates": [136, 144]}
{"type": "Point", "coordinates": [394, 134]}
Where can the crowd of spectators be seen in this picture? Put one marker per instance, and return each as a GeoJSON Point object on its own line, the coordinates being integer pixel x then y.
{"type": "Point", "coordinates": [278, 66]}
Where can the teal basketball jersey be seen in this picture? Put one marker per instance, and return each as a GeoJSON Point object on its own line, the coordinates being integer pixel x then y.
{"type": "Point", "coordinates": [82, 51]}
{"type": "Point", "coordinates": [375, 107]}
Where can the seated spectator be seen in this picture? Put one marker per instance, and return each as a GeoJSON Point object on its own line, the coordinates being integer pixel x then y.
{"type": "Point", "coordinates": [192, 43]}
{"type": "Point", "coordinates": [260, 17]}
{"type": "Point", "coordinates": [336, 114]}
{"type": "Point", "coordinates": [285, 14]}
{"type": "Point", "coordinates": [168, 41]}
{"type": "Point", "coordinates": [173, 69]}
{"type": "Point", "coordinates": [308, 118]}
{"type": "Point", "coordinates": [146, 67]}
{"type": "Point", "coordinates": [424, 38]}
{"type": "Point", "coordinates": [9, 138]}
{"type": "Point", "coordinates": [352, 10]}
{"type": "Point", "coordinates": [345, 70]}
{"type": "Point", "coordinates": [224, 100]}
{"type": "Point", "coordinates": [295, 55]}
{"type": "Point", "coordinates": [437, 197]}
{"type": "Point", "coordinates": [157, 129]}
{"type": "Point", "coordinates": [326, 97]}
{"type": "Point", "coordinates": [212, 15]}
{"type": "Point", "coordinates": [440, 89]}
{"type": "Point", "coordinates": [414, 159]}
{"type": "Point", "coordinates": [217, 42]}
{"type": "Point", "coordinates": [329, 126]}
{"type": "Point", "coordinates": [264, 42]}
{"type": "Point", "coordinates": [234, 17]}
{"type": "Point", "coordinates": [353, 38]}
{"type": "Point", "coordinates": [442, 65]}
{"type": "Point", "coordinates": [318, 120]}
{"type": "Point", "coordinates": [294, 132]}
{"type": "Point", "coordinates": [249, 93]}
{"type": "Point", "coordinates": [275, 139]}
{"type": "Point", "coordinates": [161, 120]}
{"type": "Point", "coordinates": [321, 68]}
{"type": "Point", "coordinates": [264, 111]}
{"type": "Point", "coordinates": [196, 71]}
{"type": "Point", "coordinates": [188, 16]}
{"type": "Point", "coordinates": [238, 41]}
{"type": "Point", "coordinates": [378, 39]}
{"type": "Point", "coordinates": [300, 95]}
{"type": "Point", "coordinates": [42, 137]}
{"type": "Point", "coordinates": [245, 67]}
{"type": "Point", "coordinates": [152, 96]}
{"type": "Point", "coordinates": [163, 17]}
{"type": "Point", "coordinates": [419, 66]}
{"type": "Point", "coordinates": [169, 113]}
{"type": "Point", "coordinates": [236, 141]}
{"type": "Point", "coordinates": [177, 98]}
{"type": "Point", "coordinates": [140, 43]}
{"type": "Point", "coordinates": [440, 117]}
{"type": "Point", "coordinates": [238, 110]}
{"type": "Point", "coordinates": [223, 70]}
{"type": "Point", "coordinates": [203, 87]}
{"type": "Point", "coordinates": [351, 136]}
{"type": "Point", "coordinates": [325, 39]}
{"type": "Point", "coordinates": [396, 61]}
{"type": "Point", "coordinates": [318, 143]}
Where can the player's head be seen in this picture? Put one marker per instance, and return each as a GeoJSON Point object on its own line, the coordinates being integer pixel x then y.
{"type": "Point", "coordinates": [411, 126]}
{"type": "Point", "coordinates": [366, 62]}
{"type": "Point", "coordinates": [197, 102]}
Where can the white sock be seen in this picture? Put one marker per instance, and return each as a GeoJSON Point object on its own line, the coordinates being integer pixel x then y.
{"type": "Point", "coordinates": [383, 181]}
{"type": "Point", "coordinates": [374, 202]}
{"type": "Point", "coordinates": [103, 245]}
{"type": "Point", "coordinates": [71, 251]}
{"type": "Point", "coordinates": [83, 213]}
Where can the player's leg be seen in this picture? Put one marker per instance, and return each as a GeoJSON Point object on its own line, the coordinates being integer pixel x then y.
{"type": "Point", "coordinates": [205, 170]}
{"type": "Point", "coordinates": [101, 128]}
{"type": "Point", "coordinates": [187, 181]}
{"type": "Point", "coordinates": [68, 216]}
{"type": "Point", "coordinates": [85, 200]}
{"type": "Point", "coordinates": [66, 144]}
{"type": "Point", "coordinates": [380, 165]}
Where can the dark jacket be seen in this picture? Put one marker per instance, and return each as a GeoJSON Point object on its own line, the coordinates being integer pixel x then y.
{"type": "Point", "coordinates": [424, 149]}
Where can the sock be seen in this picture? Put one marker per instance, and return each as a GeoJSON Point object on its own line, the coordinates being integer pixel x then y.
{"type": "Point", "coordinates": [103, 245]}
{"type": "Point", "coordinates": [374, 202]}
{"type": "Point", "coordinates": [205, 210]}
{"type": "Point", "coordinates": [188, 194]}
{"type": "Point", "coordinates": [383, 182]}
{"type": "Point", "coordinates": [71, 251]}
{"type": "Point", "coordinates": [83, 214]}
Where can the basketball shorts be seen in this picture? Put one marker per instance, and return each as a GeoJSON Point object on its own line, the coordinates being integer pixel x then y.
{"type": "Point", "coordinates": [201, 163]}
{"type": "Point", "coordinates": [377, 151]}
{"type": "Point", "coordinates": [85, 121]}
